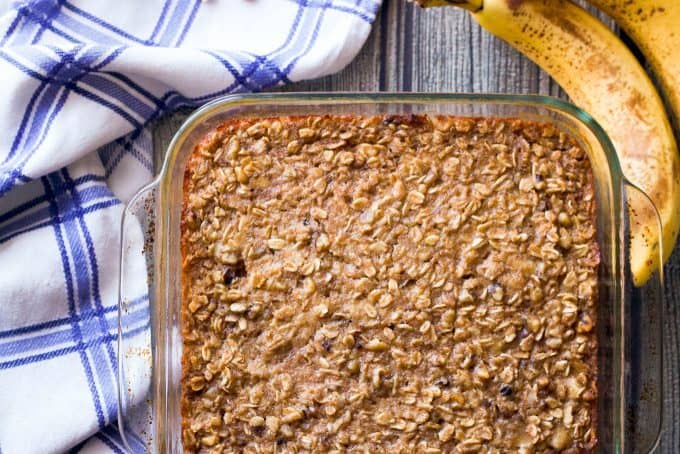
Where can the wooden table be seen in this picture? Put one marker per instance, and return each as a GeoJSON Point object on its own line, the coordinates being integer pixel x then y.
{"type": "Point", "coordinates": [411, 49]}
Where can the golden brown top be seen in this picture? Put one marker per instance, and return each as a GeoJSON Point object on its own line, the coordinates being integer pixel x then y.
{"type": "Point", "coordinates": [388, 284]}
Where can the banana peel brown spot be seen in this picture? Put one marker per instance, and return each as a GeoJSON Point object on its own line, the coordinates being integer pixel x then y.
{"type": "Point", "coordinates": [636, 103]}
{"type": "Point", "coordinates": [514, 4]}
{"type": "Point", "coordinates": [595, 63]}
{"type": "Point", "coordinates": [566, 24]}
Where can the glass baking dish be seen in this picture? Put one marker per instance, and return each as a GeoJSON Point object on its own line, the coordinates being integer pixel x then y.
{"type": "Point", "coordinates": [629, 319]}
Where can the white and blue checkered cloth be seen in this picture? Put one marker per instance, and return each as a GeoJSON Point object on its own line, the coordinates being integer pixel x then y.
{"type": "Point", "coordinates": [80, 81]}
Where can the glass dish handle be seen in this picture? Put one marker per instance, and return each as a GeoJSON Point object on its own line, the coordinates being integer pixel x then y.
{"type": "Point", "coordinates": [645, 387]}
{"type": "Point", "coordinates": [135, 354]}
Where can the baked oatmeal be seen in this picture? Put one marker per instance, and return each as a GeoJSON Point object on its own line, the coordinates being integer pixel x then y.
{"type": "Point", "coordinates": [389, 284]}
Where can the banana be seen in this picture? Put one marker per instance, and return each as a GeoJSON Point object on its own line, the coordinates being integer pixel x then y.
{"type": "Point", "coordinates": [603, 77]}
{"type": "Point", "coordinates": [654, 25]}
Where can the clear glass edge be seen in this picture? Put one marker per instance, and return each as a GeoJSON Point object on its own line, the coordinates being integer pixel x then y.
{"type": "Point", "coordinates": [292, 98]}
{"type": "Point", "coordinates": [339, 98]}
{"type": "Point", "coordinates": [657, 280]}
{"type": "Point", "coordinates": [121, 394]}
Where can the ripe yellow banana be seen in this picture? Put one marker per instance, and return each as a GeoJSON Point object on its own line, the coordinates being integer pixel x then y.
{"type": "Point", "coordinates": [603, 77]}
{"type": "Point", "coordinates": [654, 25]}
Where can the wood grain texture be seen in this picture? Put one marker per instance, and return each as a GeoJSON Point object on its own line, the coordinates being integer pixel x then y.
{"type": "Point", "coordinates": [670, 441]}
{"type": "Point", "coordinates": [410, 49]}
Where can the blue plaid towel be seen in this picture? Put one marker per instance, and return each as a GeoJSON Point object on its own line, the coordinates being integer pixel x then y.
{"type": "Point", "coordinates": [80, 81]}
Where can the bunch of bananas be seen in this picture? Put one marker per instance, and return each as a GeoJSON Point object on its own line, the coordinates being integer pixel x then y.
{"type": "Point", "coordinates": [603, 77]}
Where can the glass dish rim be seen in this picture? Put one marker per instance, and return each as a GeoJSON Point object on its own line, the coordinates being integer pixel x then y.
{"type": "Point", "coordinates": [304, 98]}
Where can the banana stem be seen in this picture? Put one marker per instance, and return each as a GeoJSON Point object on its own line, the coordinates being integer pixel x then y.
{"type": "Point", "coordinates": [470, 5]}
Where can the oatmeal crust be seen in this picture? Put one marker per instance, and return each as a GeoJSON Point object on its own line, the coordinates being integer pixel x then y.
{"type": "Point", "coordinates": [388, 284]}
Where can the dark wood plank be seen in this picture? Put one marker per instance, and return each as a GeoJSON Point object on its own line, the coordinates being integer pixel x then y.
{"type": "Point", "coordinates": [410, 49]}
{"type": "Point", "coordinates": [670, 441]}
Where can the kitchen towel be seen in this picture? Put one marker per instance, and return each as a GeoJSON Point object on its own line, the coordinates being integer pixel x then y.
{"type": "Point", "coordinates": [80, 83]}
